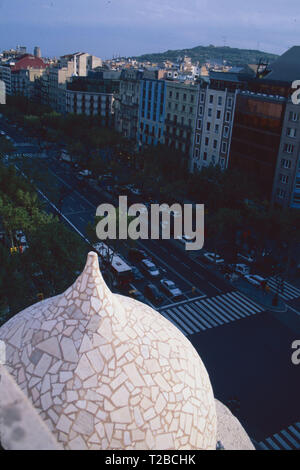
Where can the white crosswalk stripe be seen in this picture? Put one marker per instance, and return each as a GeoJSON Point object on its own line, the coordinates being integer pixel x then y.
{"type": "Point", "coordinates": [200, 315]}
{"type": "Point", "coordinates": [288, 292]}
{"type": "Point", "coordinates": [286, 439]}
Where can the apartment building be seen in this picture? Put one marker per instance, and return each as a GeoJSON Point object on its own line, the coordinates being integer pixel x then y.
{"type": "Point", "coordinates": [180, 117]}
{"type": "Point", "coordinates": [2, 92]}
{"type": "Point", "coordinates": [5, 76]}
{"type": "Point", "coordinates": [151, 110]}
{"type": "Point", "coordinates": [256, 136]}
{"type": "Point", "coordinates": [127, 103]}
{"type": "Point", "coordinates": [92, 97]}
{"type": "Point", "coordinates": [57, 85]}
{"type": "Point", "coordinates": [215, 116]}
{"type": "Point", "coordinates": [286, 185]}
{"type": "Point", "coordinates": [81, 63]}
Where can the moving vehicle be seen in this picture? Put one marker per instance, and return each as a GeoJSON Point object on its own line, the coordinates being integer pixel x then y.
{"type": "Point", "coordinates": [137, 275]}
{"type": "Point", "coordinates": [213, 258]}
{"type": "Point", "coordinates": [255, 279]}
{"type": "Point", "coordinates": [242, 269]}
{"type": "Point", "coordinates": [170, 287]}
{"type": "Point", "coordinates": [136, 255]}
{"type": "Point", "coordinates": [248, 258]}
{"type": "Point", "coordinates": [150, 268]}
{"type": "Point", "coordinates": [152, 292]}
{"type": "Point", "coordinates": [121, 270]}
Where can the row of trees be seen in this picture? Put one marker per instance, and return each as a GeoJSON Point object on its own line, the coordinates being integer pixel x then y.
{"type": "Point", "coordinates": [54, 254]}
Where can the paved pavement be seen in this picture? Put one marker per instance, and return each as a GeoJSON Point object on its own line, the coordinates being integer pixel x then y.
{"type": "Point", "coordinates": [250, 360]}
{"type": "Point", "coordinates": [199, 315]}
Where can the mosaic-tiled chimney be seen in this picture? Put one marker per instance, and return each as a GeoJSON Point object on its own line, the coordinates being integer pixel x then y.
{"type": "Point", "coordinates": [107, 372]}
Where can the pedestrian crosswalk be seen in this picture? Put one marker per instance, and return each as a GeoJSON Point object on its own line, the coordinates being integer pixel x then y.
{"type": "Point", "coordinates": [286, 439]}
{"type": "Point", "coordinates": [199, 315]}
{"type": "Point", "coordinates": [285, 290]}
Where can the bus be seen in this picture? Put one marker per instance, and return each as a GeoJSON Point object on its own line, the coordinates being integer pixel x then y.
{"type": "Point", "coordinates": [120, 269]}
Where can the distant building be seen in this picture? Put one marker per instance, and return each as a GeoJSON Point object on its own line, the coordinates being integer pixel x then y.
{"type": "Point", "coordinates": [180, 117]}
{"type": "Point", "coordinates": [81, 63]}
{"type": "Point", "coordinates": [37, 52]}
{"type": "Point", "coordinates": [127, 104]}
{"type": "Point", "coordinates": [92, 97]}
{"type": "Point", "coordinates": [215, 114]}
{"type": "Point", "coordinates": [151, 110]}
{"type": "Point", "coordinates": [2, 92]}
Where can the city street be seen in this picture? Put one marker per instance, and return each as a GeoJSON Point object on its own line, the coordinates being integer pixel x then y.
{"type": "Point", "coordinates": [246, 349]}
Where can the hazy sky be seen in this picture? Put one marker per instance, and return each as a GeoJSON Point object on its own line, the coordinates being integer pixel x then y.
{"type": "Point", "coordinates": [132, 27]}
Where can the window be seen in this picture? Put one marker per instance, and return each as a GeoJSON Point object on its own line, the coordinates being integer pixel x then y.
{"type": "Point", "coordinates": [177, 96]}
{"type": "Point", "coordinates": [283, 178]}
{"type": "Point", "coordinates": [184, 96]}
{"type": "Point", "coordinates": [182, 120]}
{"type": "Point", "coordinates": [205, 156]}
{"type": "Point", "coordinates": [202, 98]}
{"type": "Point", "coordinates": [192, 98]}
{"type": "Point", "coordinates": [217, 128]}
{"type": "Point", "coordinates": [219, 100]}
{"type": "Point", "coordinates": [196, 153]}
{"type": "Point", "coordinates": [215, 144]}
{"type": "Point", "coordinates": [198, 138]}
{"type": "Point", "coordinates": [206, 140]}
{"type": "Point", "coordinates": [227, 116]}
{"type": "Point", "coordinates": [229, 103]}
{"type": "Point", "coordinates": [218, 114]}
{"type": "Point", "coordinates": [224, 147]}
{"type": "Point", "coordinates": [170, 94]}
{"type": "Point", "coordinates": [208, 126]}
{"type": "Point", "coordinates": [209, 112]}
{"type": "Point", "coordinates": [281, 193]}
{"type": "Point", "coordinates": [294, 116]}
{"type": "Point", "coordinates": [183, 108]}
{"type": "Point", "coordinates": [211, 99]}
{"type": "Point", "coordinates": [169, 105]}
{"type": "Point", "coordinates": [191, 109]}
{"type": "Point", "coordinates": [226, 131]}
{"type": "Point", "coordinates": [286, 163]}
{"type": "Point", "coordinates": [288, 148]}
{"type": "Point", "coordinates": [291, 132]}
{"type": "Point", "coordinates": [200, 110]}
{"type": "Point", "coordinates": [199, 123]}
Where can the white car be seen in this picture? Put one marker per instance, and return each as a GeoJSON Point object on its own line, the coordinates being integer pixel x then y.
{"type": "Point", "coordinates": [21, 240]}
{"type": "Point", "coordinates": [150, 268]}
{"type": "Point", "coordinates": [213, 258]}
{"type": "Point", "coordinates": [254, 279]}
{"type": "Point", "coordinates": [247, 258]}
{"type": "Point", "coordinates": [242, 269]}
{"type": "Point", "coordinates": [170, 287]}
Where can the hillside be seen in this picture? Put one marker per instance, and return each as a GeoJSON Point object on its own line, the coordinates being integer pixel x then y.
{"type": "Point", "coordinates": [233, 56]}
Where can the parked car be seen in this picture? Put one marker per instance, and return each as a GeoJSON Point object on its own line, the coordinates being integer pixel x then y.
{"type": "Point", "coordinates": [213, 258]}
{"type": "Point", "coordinates": [170, 287]}
{"type": "Point", "coordinates": [255, 279]}
{"type": "Point", "coordinates": [152, 292]}
{"type": "Point", "coordinates": [242, 269]}
{"type": "Point", "coordinates": [150, 268]}
{"type": "Point", "coordinates": [248, 258]}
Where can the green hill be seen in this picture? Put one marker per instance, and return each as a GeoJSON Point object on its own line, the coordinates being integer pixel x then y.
{"type": "Point", "coordinates": [233, 56]}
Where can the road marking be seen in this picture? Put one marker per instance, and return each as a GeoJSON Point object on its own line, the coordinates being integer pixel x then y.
{"type": "Point", "coordinates": [210, 312]}
{"type": "Point", "coordinates": [296, 311]}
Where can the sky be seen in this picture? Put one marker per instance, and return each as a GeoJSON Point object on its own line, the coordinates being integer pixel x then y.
{"type": "Point", "coordinates": [132, 27]}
